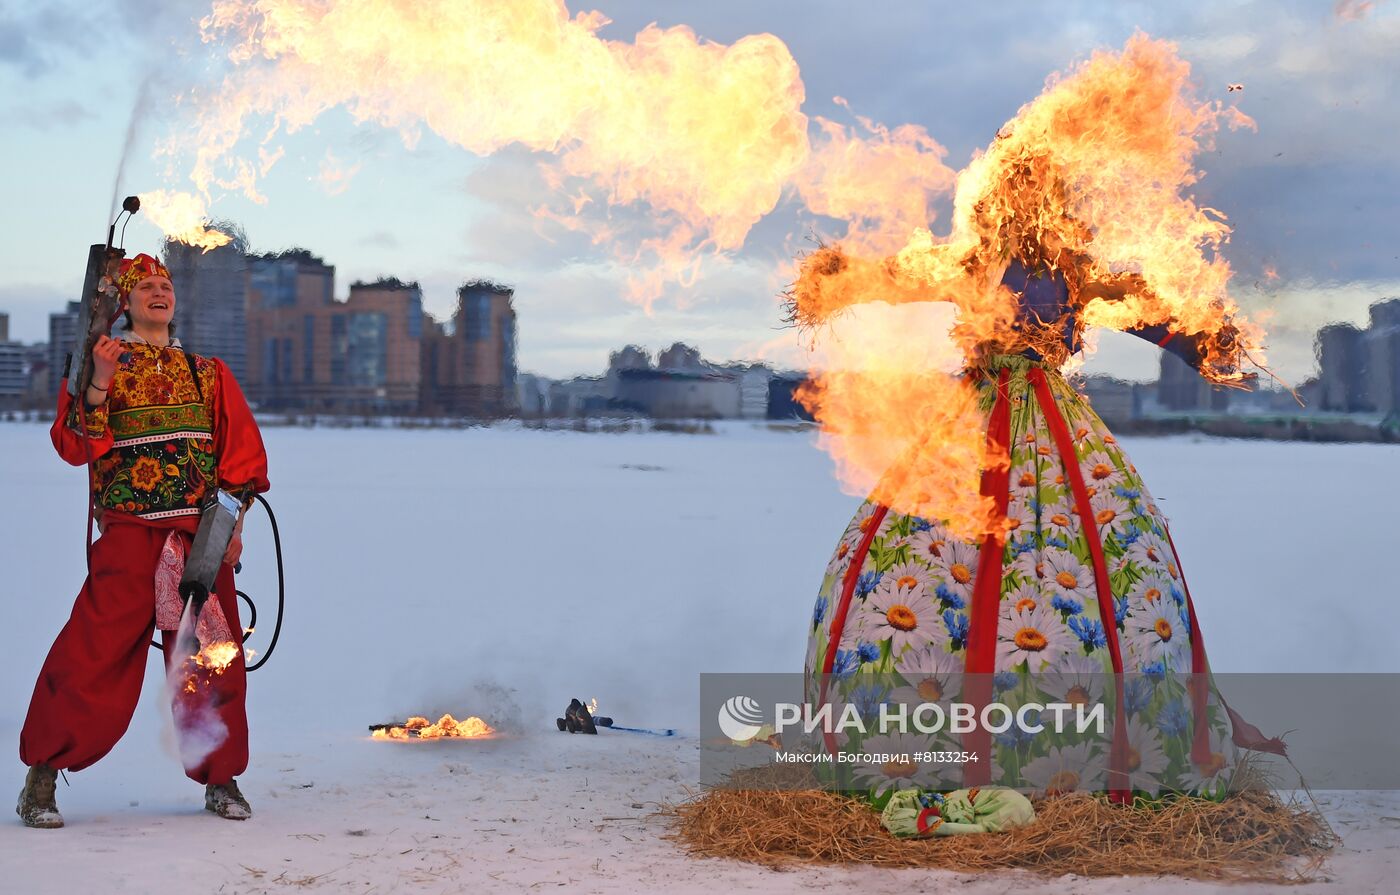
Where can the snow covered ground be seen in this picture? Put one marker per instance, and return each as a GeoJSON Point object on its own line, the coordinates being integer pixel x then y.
{"type": "Point", "coordinates": [500, 572]}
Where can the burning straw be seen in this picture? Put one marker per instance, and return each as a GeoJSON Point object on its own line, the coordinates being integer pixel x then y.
{"type": "Point", "coordinates": [1251, 836]}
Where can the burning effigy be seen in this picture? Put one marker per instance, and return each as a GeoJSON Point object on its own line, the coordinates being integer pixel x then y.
{"type": "Point", "coordinates": [445, 728]}
{"type": "Point", "coordinates": [1008, 549]}
{"type": "Point", "coordinates": [1008, 545]}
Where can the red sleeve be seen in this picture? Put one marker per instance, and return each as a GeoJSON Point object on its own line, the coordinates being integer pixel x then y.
{"type": "Point", "coordinates": [237, 441]}
{"type": "Point", "coordinates": [66, 432]}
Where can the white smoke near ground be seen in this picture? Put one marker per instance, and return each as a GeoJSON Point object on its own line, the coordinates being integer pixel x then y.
{"type": "Point", "coordinates": [199, 731]}
{"type": "Point", "coordinates": [197, 728]}
{"type": "Point", "coordinates": [495, 702]}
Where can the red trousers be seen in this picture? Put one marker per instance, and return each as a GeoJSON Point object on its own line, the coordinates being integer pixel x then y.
{"type": "Point", "coordinates": [91, 680]}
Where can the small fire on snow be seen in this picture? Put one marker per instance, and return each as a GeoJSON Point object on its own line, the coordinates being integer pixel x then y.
{"type": "Point", "coordinates": [447, 727]}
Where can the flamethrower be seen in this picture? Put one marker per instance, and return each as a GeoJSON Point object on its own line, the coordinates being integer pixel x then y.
{"type": "Point", "coordinates": [97, 311]}
{"type": "Point", "coordinates": [217, 520]}
{"type": "Point", "coordinates": [101, 302]}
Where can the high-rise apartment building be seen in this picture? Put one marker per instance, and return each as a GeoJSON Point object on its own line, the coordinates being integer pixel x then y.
{"type": "Point", "coordinates": [211, 295]}
{"type": "Point", "coordinates": [1359, 370]}
{"type": "Point", "coordinates": [291, 297]}
{"type": "Point", "coordinates": [308, 351]}
{"type": "Point", "coordinates": [63, 331]}
{"type": "Point", "coordinates": [469, 366]}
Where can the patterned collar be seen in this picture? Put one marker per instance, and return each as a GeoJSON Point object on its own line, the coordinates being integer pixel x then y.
{"type": "Point", "coordinates": [128, 335]}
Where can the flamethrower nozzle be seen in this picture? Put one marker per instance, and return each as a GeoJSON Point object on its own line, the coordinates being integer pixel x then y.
{"type": "Point", "coordinates": [194, 593]}
{"type": "Point", "coordinates": [131, 204]}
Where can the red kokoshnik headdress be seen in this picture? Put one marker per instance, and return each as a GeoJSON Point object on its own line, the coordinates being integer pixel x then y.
{"type": "Point", "coordinates": [134, 270]}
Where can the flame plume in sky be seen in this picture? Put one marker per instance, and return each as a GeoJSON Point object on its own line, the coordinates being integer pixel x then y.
{"type": "Point", "coordinates": [182, 216]}
{"type": "Point", "coordinates": [705, 138]}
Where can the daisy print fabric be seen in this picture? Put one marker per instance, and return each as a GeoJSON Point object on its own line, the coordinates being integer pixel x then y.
{"type": "Point", "coordinates": [1088, 586]}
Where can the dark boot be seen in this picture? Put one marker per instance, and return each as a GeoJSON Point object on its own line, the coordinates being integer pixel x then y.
{"type": "Point", "coordinates": [37, 806]}
{"type": "Point", "coordinates": [225, 800]}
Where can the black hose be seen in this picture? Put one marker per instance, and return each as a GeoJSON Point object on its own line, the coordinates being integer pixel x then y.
{"type": "Point", "coordinates": [281, 585]}
{"type": "Point", "coordinates": [252, 607]}
{"type": "Point", "coordinates": [252, 615]}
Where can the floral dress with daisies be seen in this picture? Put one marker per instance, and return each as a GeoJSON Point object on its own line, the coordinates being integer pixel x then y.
{"type": "Point", "coordinates": [1081, 602]}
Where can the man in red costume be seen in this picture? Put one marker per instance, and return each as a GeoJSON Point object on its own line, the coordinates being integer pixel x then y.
{"type": "Point", "coordinates": [163, 429]}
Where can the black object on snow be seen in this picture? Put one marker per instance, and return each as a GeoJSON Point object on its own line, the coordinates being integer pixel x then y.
{"type": "Point", "coordinates": [577, 719]}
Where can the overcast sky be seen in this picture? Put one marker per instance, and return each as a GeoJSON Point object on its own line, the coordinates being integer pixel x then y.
{"type": "Point", "coordinates": [1313, 194]}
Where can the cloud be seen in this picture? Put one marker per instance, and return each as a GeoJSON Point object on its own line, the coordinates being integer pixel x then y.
{"type": "Point", "coordinates": [507, 230]}
{"type": "Point", "coordinates": [32, 40]}
{"type": "Point", "coordinates": [36, 39]}
{"type": "Point", "coordinates": [63, 114]}
{"type": "Point", "coordinates": [383, 239]}
{"type": "Point", "coordinates": [334, 175]}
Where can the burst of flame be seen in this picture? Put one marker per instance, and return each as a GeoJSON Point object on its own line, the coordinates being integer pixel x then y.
{"type": "Point", "coordinates": [1089, 178]}
{"type": "Point", "coordinates": [446, 727]}
{"type": "Point", "coordinates": [879, 184]}
{"type": "Point", "coordinates": [212, 659]}
{"type": "Point", "coordinates": [182, 216]}
{"type": "Point", "coordinates": [217, 656]}
{"type": "Point", "coordinates": [706, 138]}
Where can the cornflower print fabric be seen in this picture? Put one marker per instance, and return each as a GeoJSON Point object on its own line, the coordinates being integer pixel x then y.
{"type": "Point", "coordinates": [1084, 585]}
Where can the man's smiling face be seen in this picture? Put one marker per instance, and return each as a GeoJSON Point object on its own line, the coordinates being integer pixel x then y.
{"type": "Point", "coordinates": [152, 302]}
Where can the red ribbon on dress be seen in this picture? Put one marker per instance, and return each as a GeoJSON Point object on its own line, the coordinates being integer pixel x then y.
{"type": "Point", "coordinates": [1069, 459]}
{"type": "Point", "coordinates": [838, 617]}
{"type": "Point", "coordinates": [986, 589]}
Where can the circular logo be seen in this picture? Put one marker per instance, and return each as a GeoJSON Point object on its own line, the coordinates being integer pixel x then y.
{"type": "Point", "coordinates": [740, 718]}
